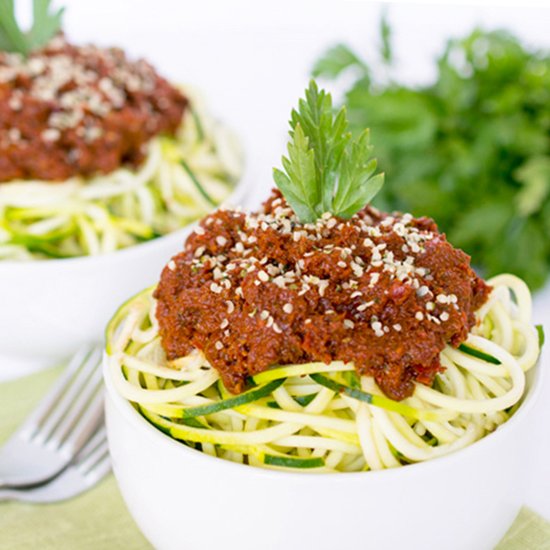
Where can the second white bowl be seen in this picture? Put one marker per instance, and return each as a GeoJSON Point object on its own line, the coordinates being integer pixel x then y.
{"type": "Point", "coordinates": [49, 308]}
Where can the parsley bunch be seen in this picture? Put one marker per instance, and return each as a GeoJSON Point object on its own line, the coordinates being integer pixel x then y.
{"type": "Point", "coordinates": [326, 170]}
{"type": "Point", "coordinates": [46, 24]}
{"type": "Point", "coordinates": [471, 150]}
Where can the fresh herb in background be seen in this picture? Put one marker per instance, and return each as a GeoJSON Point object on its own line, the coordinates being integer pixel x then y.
{"type": "Point", "coordinates": [45, 25]}
{"type": "Point", "coordinates": [326, 170]}
{"type": "Point", "coordinates": [471, 150]}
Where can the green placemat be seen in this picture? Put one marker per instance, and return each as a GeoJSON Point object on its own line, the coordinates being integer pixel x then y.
{"type": "Point", "coordinates": [98, 519]}
{"type": "Point", "coordinates": [95, 520]}
{"type": "Point", "coordinates": [528, 532]}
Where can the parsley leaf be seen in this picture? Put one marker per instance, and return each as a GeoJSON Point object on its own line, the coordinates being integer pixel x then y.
{"type": "Point", "coordinates": [299, 184]}
{"type": "Point", "coordinates": [326, 171]}
{"type": "Point", "coordinates": [46, 24]}
{"type": "Point", "coordinates": [335, 61]}
{"type": "Point", "coordinates": [357, 185]}
{"type": "Point", "coordinates": [540, 331]}
{"type": "Point", "coordinates": [386, 51]}
{"type": "Point", "coordinates": [12, 38]}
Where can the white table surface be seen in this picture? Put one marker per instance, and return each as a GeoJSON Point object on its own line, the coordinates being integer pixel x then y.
{"type": "Point", "coordinates": [253, 60]}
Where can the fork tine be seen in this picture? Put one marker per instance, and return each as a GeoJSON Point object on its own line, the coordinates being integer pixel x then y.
{"type": "Point", "coordinates": [86, 424]}
{"type": "Point", "coordinates": [77, 409]}
{"type": "Point", "coordinates": [93, 461]}
{"type": "Point", "coordinates": [99, 437]}
{"type": "Point", "coordinates": [57, 390]}
{"type": "Point", "coordinates": [100, 470]}
{"type": "Point", "coordinates": [94, 457]}
{"type": "Point", "coordinates": [59, 410]}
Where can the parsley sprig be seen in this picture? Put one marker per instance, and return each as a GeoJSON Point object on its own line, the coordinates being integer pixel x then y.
{"type": "Point", "coordinates": [45, 25]}
{"type": "Point", "coordinates": [326, 170]}
{"type": "Point", "coordinates": [471, 149]}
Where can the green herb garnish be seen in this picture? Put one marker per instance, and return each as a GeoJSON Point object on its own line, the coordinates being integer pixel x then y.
{"type": "Point", "coordinates": [540, 331]}
{"type": "Point", "coordinates": [326, 171]}
{"type": "Point", "coordinates": [470, 149]}
{"type": "Point", "coordinates": [45, 25]}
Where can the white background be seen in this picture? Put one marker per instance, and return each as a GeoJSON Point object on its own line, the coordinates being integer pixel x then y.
{"type": "Point", "coordinates": [252, 59]}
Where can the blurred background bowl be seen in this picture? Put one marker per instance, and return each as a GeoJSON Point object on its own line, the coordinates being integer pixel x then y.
{"type": "Point", "coordinates": [182, 498]}
{"type": "Point", "coordinates": [48, 308]}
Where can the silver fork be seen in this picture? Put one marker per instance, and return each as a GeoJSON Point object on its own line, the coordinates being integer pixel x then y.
{"type": "Point", "coordinates": [90, 466]}
{"type": "Point", "coordinates": [59, 427]}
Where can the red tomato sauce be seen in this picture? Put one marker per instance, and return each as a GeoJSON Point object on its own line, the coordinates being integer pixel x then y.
{"type": "Point", "coordinates": [386, 292]}
{"type": "Point", "coordinates": [79, 110]}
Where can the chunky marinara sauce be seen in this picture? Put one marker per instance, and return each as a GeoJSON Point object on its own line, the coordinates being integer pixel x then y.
{"type": "Point", "coordinates": [386, 292]}
{"type": "Point", "coordinates": [79, 110]}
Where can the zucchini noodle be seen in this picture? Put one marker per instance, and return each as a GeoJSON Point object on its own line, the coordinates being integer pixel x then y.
{"type": "Point", "coordinates": [180, 180]}
{"type": "Point", "coordinates": [325, 418]}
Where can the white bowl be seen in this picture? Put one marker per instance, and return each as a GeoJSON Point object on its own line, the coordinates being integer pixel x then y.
{"type": "Point", "coordinates": [48, 308]}
{"type": "Point", "coordinates": [183, 499]}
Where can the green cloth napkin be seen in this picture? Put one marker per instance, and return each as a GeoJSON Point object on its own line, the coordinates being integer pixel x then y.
{"type": "Point", "coordinates": [528, 532]}
{"type": "Point", "coordinates": [99, 519]}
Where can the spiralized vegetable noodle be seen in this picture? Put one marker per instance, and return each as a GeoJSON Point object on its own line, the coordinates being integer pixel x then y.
{"type": "Point", "coordinates": [325, 418]}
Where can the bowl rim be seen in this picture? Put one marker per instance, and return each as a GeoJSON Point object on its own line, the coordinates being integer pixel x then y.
{"type": "Point", "coordinates": [236, 197]}
{"type": "Point", "coordinates": [131, 415]}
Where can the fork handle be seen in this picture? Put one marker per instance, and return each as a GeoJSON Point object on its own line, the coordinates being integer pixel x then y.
{"type": "Point", "coordinates": [4, 485]}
